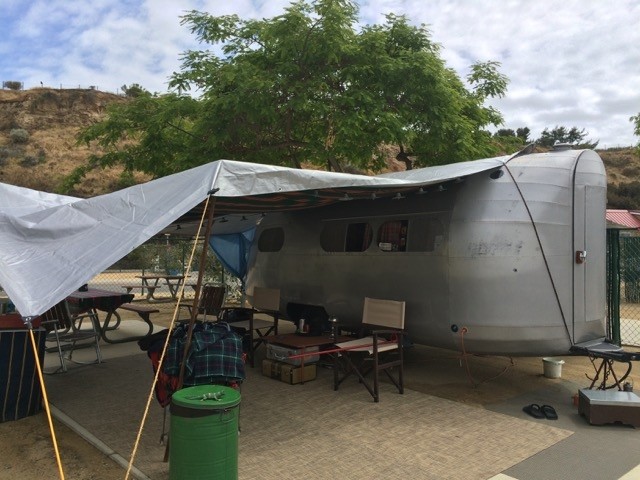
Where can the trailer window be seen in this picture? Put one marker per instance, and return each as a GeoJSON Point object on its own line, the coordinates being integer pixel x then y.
{"type": "Point", "coordinates": [359, 237]}
{"type": "Point", "coordinates": [392, 236]}
{"type": "Point", "coordinates": [424, 233]}
{"type": "Point", "coordinates": [342, 237]}
{"type": "Point", "coordinates": [271, 240]}
{"type": "Point", "coordinates": [332, 237]}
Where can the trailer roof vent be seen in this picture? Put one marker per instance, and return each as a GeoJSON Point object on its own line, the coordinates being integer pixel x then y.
{"type": "Point", "coordinates": [560, 147]}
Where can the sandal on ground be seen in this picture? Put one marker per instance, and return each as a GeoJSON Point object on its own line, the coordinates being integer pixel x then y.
{"type": "Point", "coordinates": [534, 410]}
{"type": "Point", "coordinates": [549, 412]}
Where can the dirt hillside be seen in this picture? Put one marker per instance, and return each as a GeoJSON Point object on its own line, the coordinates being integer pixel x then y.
{"type": "Point", "coordinates": [51, 120]}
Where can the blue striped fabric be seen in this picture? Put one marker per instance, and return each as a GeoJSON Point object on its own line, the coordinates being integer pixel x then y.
{"type": "Point", "coordinates": [20, 393]}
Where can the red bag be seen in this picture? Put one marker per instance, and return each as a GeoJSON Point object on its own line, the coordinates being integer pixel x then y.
{"type": "Point", "coordinates": [13, 321]}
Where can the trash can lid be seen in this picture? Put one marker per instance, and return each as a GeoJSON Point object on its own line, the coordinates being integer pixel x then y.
{"type": "Point", "coordinates": [206, 397]}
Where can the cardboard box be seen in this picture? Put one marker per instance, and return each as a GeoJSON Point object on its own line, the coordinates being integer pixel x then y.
{"type": "Point", "coordinates": [290, 374]}
{"type": "Point", "coordinates": [282, 354]}
{"type": "Point", "coordinates": [271, 368]}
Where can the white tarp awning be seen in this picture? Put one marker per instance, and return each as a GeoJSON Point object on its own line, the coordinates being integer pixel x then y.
{"type": "Point", "coordinates": [50, 245]}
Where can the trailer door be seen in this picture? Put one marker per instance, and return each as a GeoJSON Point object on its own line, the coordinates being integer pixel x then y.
{"type": "Point", "coordinates": [589, 252]}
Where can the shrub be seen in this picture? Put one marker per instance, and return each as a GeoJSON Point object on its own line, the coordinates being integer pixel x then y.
{"type": "Point", "coordinates": [29, 161]}
{"type": "Point", "coordinates": [19, 135]}
{"type": "Point", "coordinates": [12, 85]}
{"type": "Point", "coordinates": [10, 152]}
{"type": "Point", "coordinates": [631, 171]}
{"type": "Point", "coordinates": [44, 99]}
{"type": "Point", "coordinates": [624, 195]}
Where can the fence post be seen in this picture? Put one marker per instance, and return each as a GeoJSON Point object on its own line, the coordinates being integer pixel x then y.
{"type": "Point", "coordinates": [613, 284]}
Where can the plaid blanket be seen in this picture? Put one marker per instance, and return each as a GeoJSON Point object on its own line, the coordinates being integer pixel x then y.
{"type": "Point", "coordinates": [215, 354]}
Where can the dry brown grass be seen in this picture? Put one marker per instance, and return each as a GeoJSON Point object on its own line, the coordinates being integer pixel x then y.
{"type": "Point", "coordinates": [623, 165]}
{"type": "Point", "coordinates": [53, 119]}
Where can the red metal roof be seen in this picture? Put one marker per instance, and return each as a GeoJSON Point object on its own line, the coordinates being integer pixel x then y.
{"type": "Point", "coordinates": [624, 217]}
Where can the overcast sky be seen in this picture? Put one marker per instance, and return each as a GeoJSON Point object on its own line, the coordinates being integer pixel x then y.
{"type": "Point", "coordinates": [569, 62]}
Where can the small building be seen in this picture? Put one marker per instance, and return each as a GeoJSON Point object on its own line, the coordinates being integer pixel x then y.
{"type": "Point", "coordinates": [626, 218]}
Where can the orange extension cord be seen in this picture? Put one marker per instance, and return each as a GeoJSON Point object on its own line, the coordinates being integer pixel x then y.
{"type": "Point", "coordinates": [465, 356]}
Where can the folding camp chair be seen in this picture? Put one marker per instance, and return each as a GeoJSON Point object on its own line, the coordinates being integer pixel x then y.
{"type": "Point", "coordinates": [67, 333]}
{"type": "Point", "coordinates": [210, 301]}
{"type": "Point", "coordinates": [265, 301]}
{"type": "Point", "coordinates": [380, 351]}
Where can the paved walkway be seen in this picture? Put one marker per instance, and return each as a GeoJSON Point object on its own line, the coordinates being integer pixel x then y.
{"type": "Point", "coordinates": [460, 418]}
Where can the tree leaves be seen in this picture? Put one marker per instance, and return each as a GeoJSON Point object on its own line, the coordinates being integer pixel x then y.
{"type": "Point", "coordinates": [572, 136]}
{"type": "Point", "coordinates": [309, 85]}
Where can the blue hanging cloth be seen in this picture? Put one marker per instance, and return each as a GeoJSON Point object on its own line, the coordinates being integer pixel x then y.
{"type": "Point", "coordinates": [232, 249]}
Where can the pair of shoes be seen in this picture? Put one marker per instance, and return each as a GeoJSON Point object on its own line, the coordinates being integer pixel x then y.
{"type": "Point", "coordinates": [544, 411]}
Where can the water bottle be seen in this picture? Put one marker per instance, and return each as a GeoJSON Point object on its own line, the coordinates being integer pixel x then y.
{"type": "Point", "coordinates": [334, 327]}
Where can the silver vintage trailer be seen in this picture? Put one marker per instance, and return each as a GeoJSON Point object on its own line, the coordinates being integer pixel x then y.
{"type": "Point", "coordinates": [510, 260]}
{"type": "Point", "coordinates": [503, 256]}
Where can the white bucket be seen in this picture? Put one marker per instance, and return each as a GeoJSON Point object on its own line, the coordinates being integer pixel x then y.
{"type": "Point", "coordinates": [552, 367]}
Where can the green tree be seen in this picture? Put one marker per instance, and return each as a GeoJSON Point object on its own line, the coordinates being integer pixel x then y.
{"type": "Point", "coordinates": [523, 134]}
{"type": "Point", "coordinates": [149, 133]}
{"type": "Point", "coordinates": [573, 136]}
{"type": "Point", "coordinates": [305, 86]}
{"type": "Point", "coordinates": [508, 140]}
{"type": "Point", "coordinates": [133, 90]}
{"type": "Point", "coordinates": [505, 132]}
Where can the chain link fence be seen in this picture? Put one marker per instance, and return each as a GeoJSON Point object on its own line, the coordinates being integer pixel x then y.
{"type": "Point", "coordinates": [166, 255]}
{"type": "Point", "coordinates": [629, 290]}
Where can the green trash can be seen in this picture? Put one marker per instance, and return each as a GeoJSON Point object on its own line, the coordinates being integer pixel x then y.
{"type": "Point", "coordinates": [203, 435]}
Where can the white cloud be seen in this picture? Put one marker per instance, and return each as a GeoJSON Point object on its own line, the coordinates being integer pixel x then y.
{"type": "Point", "coordinates": [570, 63]}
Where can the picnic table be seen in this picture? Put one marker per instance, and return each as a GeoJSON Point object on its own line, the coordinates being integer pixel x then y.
{"type": "Point", "coordinates": [108, 301]}
{"type": "Point", "coordinates": [151, 283]}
